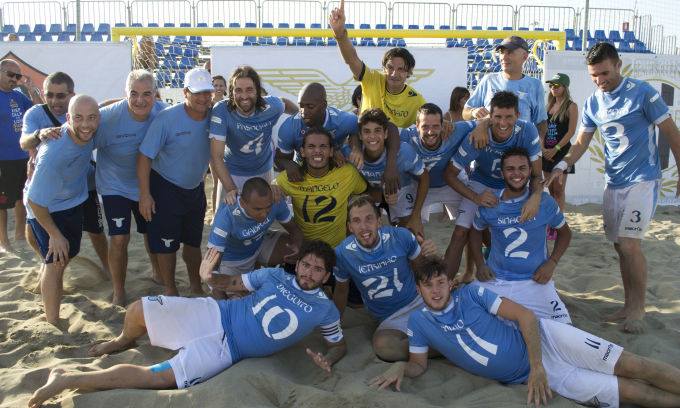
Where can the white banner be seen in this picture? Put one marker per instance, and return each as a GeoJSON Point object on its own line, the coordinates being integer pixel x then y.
{"type": "Point", "coordinates": [662, 72]}
{"type": "Point", "coordinates": [98, 69]}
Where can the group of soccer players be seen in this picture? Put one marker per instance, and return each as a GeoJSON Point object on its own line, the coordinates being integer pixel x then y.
{"type": "Point", "coordinates": [352, 195]}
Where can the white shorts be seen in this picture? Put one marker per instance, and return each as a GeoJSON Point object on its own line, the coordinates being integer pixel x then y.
{"type": "Point", "coordinates": [399, 319]}
{"type": "Point", "coordinates": [579, 365]}
{"type": "Point", "coordinates": [436, 197]}
{"type": "Point", "coordinates": [542, 299]}
{"type": "Point", "coordinates": [194, 327]}
{"type": "Point", "coordinates": [628, 211]}
{"type": "Point", "coordinates": [467, 210]}
{"type": "Point", "coordinates": [406, 199]}
{"type": "Point", "coordinates": [240, 181]}
{"type": "Point", "coordinates": [261, 256]}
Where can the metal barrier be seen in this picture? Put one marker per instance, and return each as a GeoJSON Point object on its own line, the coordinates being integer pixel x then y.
{"type": "Point", "coordinates": [307, 12]}
{"type": "Point", "coordinates": [609, 19]}
{"type": "Point", "coordinates": [422, 14]}
{"type": "Point", "coordinates": [97, 12]}
{"type": "Point", "coordinates": [364, 12]}
{"type": "Point", "coordinates": [471, 15]}
{"type": "Point", "coordinates": [546, 17]}
{"type": "Point", "coordinates": [643, 28]}
{"type": "Point", "coordinates": [161, 12]}
{"type": "Point", "coordinates": [655, 43]}
{"type": "Point", "coordinates": [24, 12]}
{"type": "Point", "coordinates": [226, 12]}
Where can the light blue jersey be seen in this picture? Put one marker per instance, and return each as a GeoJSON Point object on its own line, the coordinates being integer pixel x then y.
{"type": "Point", "coordinates": [529, 91]}
{"type": "Point", "coordinates": [60, 178]}
{"type": "Point", "coordinates": [178, 146]}
{"type": "Point", "coordinates": [36, 119]}
{"type": "Point", "coordinates": [409, 166]}
{"type": "Point", "coordinates": [436, 160]}
{"type": "Point", "coordinates": [626, 118]}
{"type": "Point", "coordinates": [339, 123]}
{"type": "Point", "coordinates": [488, 160]}
{"type": "Point", "coordinates": [469, 335]}
{"type": "Point", "coordinates": [118, 138]}
{"type": "Point", "coordinates": [382, 274]}
{"type": "Point", "coordinates": [248, 139]}
{"type": "Point", "coordinates": [276, 315]}
{"type": "Point", "coordinates": [238, 236]}
{"type": "Point", "coordinates": [518, 249]}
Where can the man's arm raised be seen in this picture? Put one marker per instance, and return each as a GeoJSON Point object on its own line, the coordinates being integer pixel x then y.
{"type": "Point", "coordinates": [337, 22]}
{"type": "Point", "coordinates": [226, 283]}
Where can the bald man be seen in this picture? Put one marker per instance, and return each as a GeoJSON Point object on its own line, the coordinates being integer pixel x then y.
{"type": "Point", "coordinates": [56, 194]}
{"type": "Point", "coordinates": [13, 160]}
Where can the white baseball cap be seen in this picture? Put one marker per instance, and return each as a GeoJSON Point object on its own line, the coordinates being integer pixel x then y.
{"type": "Point", "coordinates": [198, 80]}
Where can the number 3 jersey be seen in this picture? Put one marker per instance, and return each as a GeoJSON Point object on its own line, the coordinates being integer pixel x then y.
{"type": "Point", "coordinates": [518, 248]}
{"type": "Point", "coordinates": [382, 274]}
{"type": "Point", "coordinates": [276, 315]}
{"type": "Point", "coordinates": [320, 203]}
{"type": "Point", "coordinates": [626, 117]}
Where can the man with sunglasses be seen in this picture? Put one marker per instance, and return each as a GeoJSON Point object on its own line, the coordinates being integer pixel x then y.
{"type": "Point", "coordinates": [13, 160]}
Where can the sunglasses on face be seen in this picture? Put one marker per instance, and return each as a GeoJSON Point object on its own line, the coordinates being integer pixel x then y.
{"type": "Point", "coordinates": [12, 74]}
{"type": "Point", "coordinates": [553, 86]}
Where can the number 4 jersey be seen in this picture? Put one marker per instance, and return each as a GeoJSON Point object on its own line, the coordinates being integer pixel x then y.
{"type": "Point", "coordinates": [518, 248]}
{"type": "Point", "coordinates": [382, 274]}
{"type": "Point", "coordinates": [320, 203]}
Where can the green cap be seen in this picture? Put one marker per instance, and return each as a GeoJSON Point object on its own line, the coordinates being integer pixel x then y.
{"type": "Point", "coordinates": [559, 79]}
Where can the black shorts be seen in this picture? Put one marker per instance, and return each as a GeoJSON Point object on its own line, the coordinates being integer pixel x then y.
{"type": "Point", "coordinates": [119, 211]}
{"type": "Point", "coordinates": [549, 164]}
{"type": "Point", "coordinates": [179, 216]}
{"type": "Point", "coordinates": [12, 180]}
{"type": "Point", "coordinates": [92, 211]}
{"type": "Point", "coordinates": [70, 224]}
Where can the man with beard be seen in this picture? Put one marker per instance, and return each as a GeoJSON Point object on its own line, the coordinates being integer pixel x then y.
{"type": "Point", "coordinates": [56, 194]}
{"type": "Point", "coordinates": [171, 165]}
{"type": "Point", "coordinates": [213, 335]}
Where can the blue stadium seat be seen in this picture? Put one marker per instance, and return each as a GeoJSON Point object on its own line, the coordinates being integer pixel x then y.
{"type": "Point", "coordinates": [253, 25]}
{"type": "Point", "coordinates": [55, 29]}
{"type": "Point", "coordinates": [136, 25]}
{"type": "Point", "coordinates": [178, 79]}
{"type": "Point", "coordinates": [195, 40]}
{"type": "Point", "coordinates": [46, 37]}
{"type": "Point", "coordinates": [367, 42]}
{"type": "Point", "coordinates": [64, 37]}
{"type": "Point", "coordinates": [266, 40]}
{"type": "Point", "coordinates": [482, 43]}
{"type": "Point", "coordinates": [88, 29]}
{"type": "Point", "coordinates": [629, 36]}
{"type": "Point", "coordinates": [539, 29]}
{"type": "Point", "coordinates": [523, 29]}
{"type": "Point", "coordinates": [179, 40]}
{"type": "Point", "coordinates": [614, 35]}
{"type": "Point", "coordinates": [461, 27]}
{"type": "Point", "coordinates": [507, 28]}
{"type": "Point", "coordinates": [163, 39]}
{"type": "Point", "coordinates": [477, 27]}
{"type": "Point", "coordinates": [428, 27]}
{"type": "Point", "coordinates": [202, 25]}
{"type": "Point", "coordinates": [495, 67]}
{"type": "Point", "coordinates": [444, 27]}
{"type": "Point", "coordinates": [554, 29]}
{"type": "Point", "coordinates": [120, 25]}
{"type": "Point", "coordinates": [332, 42]}
{"type": "Point", "coordinates": [318, 26]}
{"type": "Point", "coordinates": [71, 29]}
{"type": "Point", "coordinates": [600, 35]}
{"type": "Point", "coordinates": [234, 25]}
{"type": "Point", "coordinates": [174, 51]}
{"type": "Point", "coordinates": [39, 29]}
{"type": "Point", "coordinates": [590, 35]}
{"type": "Point", "coordinates": [364, 26]}
{"type": "Point", "coordinates": [104, 28]}
{"type": "Point", "coordinates": [158, 49]}
{"type": "Point", "coordinates": [624, 46]}
{"type": "Point", "coordinates": [398, 42]}
{"type": "Point", "coordinates": [492, 28]}
{"type": "Point", "coordinates": [162, 79]}
{"type": "Point", "coordinates": [24, 30]}
{"type": "Point", "coordinates": [413, 27]}
{"type": "Point", "coordinates": [187, 63]}
{"type": "Point", "coordinates": [591, 43]}
{"type": "Point", "coordinates": [299, 40]}
{"type": "Point", "coordinates": [169, 25]}
{"type": "Point", "coordinates": [170, 64]}
{"type": "Point", "coordinates": [155, 25]}
{"type": "Point", "coordinates": [639, 47]}
{"type": "Point", "coordinates": [29, 37]}
{"type": "Point", "coordinates": [316, 41]}
{"type": "Point", "coordinates": [185, 24]}
{"type": "Point", "coordinates": [96, 37]}
{"type": "Point", "coordinates": [282, 40]}
{"type": "Point", "coordinates": [381, 26]}
{"type": "Point", "coordinates": [9, 29]}
{"type": "Point", "coordinates": [249, 40]}
{"type": "Point", "coordinates": [269, 25]}
{"type": "Point", "coordinates": [383, 42]}
{"type": "Point", "coordinates": [218, 25]}
{"type": "Point", "coordinates": [577, 44]}
{"type": "Point", "coordinates": [570, 34]}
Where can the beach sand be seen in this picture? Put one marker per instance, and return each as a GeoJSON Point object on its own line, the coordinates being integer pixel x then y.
{"type": "Point", "coordinates": [587, 278]}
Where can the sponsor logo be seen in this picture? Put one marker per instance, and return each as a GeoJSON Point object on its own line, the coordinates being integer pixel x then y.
{"type": "Point", "coordinates": [459, 325]}
{"type": "Point", "coordinates": [377, 265]}
{"type": "Point", "coordinates": [256, 127]}
{"type": "Point", "coordinates": [638, 229]}
{"type": "Point", "coordinates": [508, 220]}
{"type": "Point", "coordinates": [609, 350]}
{"type": "Point", "coordinates": [319, 187]}
{"type": "Point", "coordinates": [158, 299]}
{"type": "Point", "coordinates": [293, 298]}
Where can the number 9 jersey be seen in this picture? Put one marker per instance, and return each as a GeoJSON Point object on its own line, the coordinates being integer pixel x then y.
{"type": "Point", "coordinates": [320, 204]}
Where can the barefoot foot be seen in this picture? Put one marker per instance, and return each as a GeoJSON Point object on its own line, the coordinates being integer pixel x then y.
{"type": "Point", "coordinates": [56, 383]}
{"type": "Point", "coordinates": [109, 347]}
{"type": "Point", "coordinates": [119, 299]}
{"type": "Point", "coordinates": [621, 314]}
{"type": "Point", "coordinates": [635, 324]}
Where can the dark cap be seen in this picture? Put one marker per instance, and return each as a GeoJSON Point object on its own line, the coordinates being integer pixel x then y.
{"type": "Point", "coordinates": [512, 43]}
{"type": "Point", "coordinates": [559, 79]}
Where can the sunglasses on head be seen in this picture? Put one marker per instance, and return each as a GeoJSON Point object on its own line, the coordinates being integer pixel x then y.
{"type": "Point", "coordinates": [12, 74]}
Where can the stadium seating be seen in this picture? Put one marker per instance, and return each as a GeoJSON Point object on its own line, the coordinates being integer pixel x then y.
{"type": "Point", "coordinates": [8, 29]}
{"type": "Point", "coordinates": [629, 36]}
{"type": "Point", "coordinates": [87, 29]}
{"type": "Point", "coordinates": [39, 29]}
{"type": "Point", "coordinates": [24, 30]}
{"type": "Point", "coordinates": [614, 36]}
{"type": "Point", "coordinates": [44, 37]}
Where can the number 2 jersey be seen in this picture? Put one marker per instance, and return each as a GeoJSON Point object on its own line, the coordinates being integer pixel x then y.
{"type": "Point", "coordinates": [276, 315]}
{"type": "Point", "coordinates": [320, 204]}
{"type": "Point", "coordinates": [382, 274]}
{"type": "Point", "coordinates": [518, 248]}
{"type": "Point", "coordinates": [626, 118]}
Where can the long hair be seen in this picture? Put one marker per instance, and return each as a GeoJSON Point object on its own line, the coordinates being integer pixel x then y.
{"type": "Point", "coordinates": [563, 111]}
{"type": "Point", "coordinates": [245, 71]}
{"type": "Point", "coordinates": [457, 94]}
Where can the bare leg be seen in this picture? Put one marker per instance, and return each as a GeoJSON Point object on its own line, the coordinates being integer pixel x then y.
{"type": "Point", "coordinates": [118, 261]}
{"type": "Point", "coordinates": [166, 268]}
{"type": "Point", "coordinates": [469, 263]}
{"type": "Point", "coordinates": [454, 252]}
{"type": "Point", "coordinates": [557, 191]}
{"type": "Point", "coordinates": [623, 267]}
{"type": "Point", "coordinates": [101, 247]}
{"type": "Point", "coordinates": [4, 239]}
{"type": "Point", "coordinates": [192, 258]}
{"type": "Point", "coordinates": [30, 238]}
{"type": "Point", "coordinates": [631, 250]}
{"type": "Point", "coordinates": [153, 258]}
{"type": "Point", "coordinates": [134, 327]}
{"type": "Point", "coordinates": [280, 250]}
{"type": "Point", "coordinates": [118, 376]}
{"type": "Point", "coordinates": [19, 221]}
{"type": "Point", "coordinates": [641, 394]}
{"type": "Point", "coordinates": [390, 345]}
{"type": "Point", "coordinates": [658, 374]}
{"type": "Point", "coordinates": [213, 197]}
{"type": "Point", "coordinates": [51, 289]}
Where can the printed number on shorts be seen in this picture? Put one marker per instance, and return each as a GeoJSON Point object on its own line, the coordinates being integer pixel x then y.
{"type": "Point", "coordinates": [521, 238]}
{"type": "Point", "coordinates": [636, 216]}
{"type": "Point", "coordinates": [618, 134]}
{"type": "Point", "coordinates": [330, 203]}
{"type": "Point", "coordinates": [556, 305]}
{"type": "Point", "coordinates": [381, 291]}
{"type": "Point", "coordinates": [409, 198]}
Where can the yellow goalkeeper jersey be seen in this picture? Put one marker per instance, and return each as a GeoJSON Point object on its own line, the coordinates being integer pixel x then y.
{"type": "Point", "coordinates": [401, 108]}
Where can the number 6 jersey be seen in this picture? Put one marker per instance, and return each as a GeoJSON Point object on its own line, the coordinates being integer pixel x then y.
{"type": "Point", "coordinates": [382, 274]}
{"type": "Point", "coordinates": [320, 204]}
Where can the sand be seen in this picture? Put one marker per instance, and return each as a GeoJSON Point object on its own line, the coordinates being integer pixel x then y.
{"type": "Point", "coordinates": [587, 277]}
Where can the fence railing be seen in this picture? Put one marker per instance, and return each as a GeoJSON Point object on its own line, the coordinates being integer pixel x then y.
{"type": "Point", "coordinates": [226, 11]}
{"type": "Point", "coordinates": [546, 17]}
